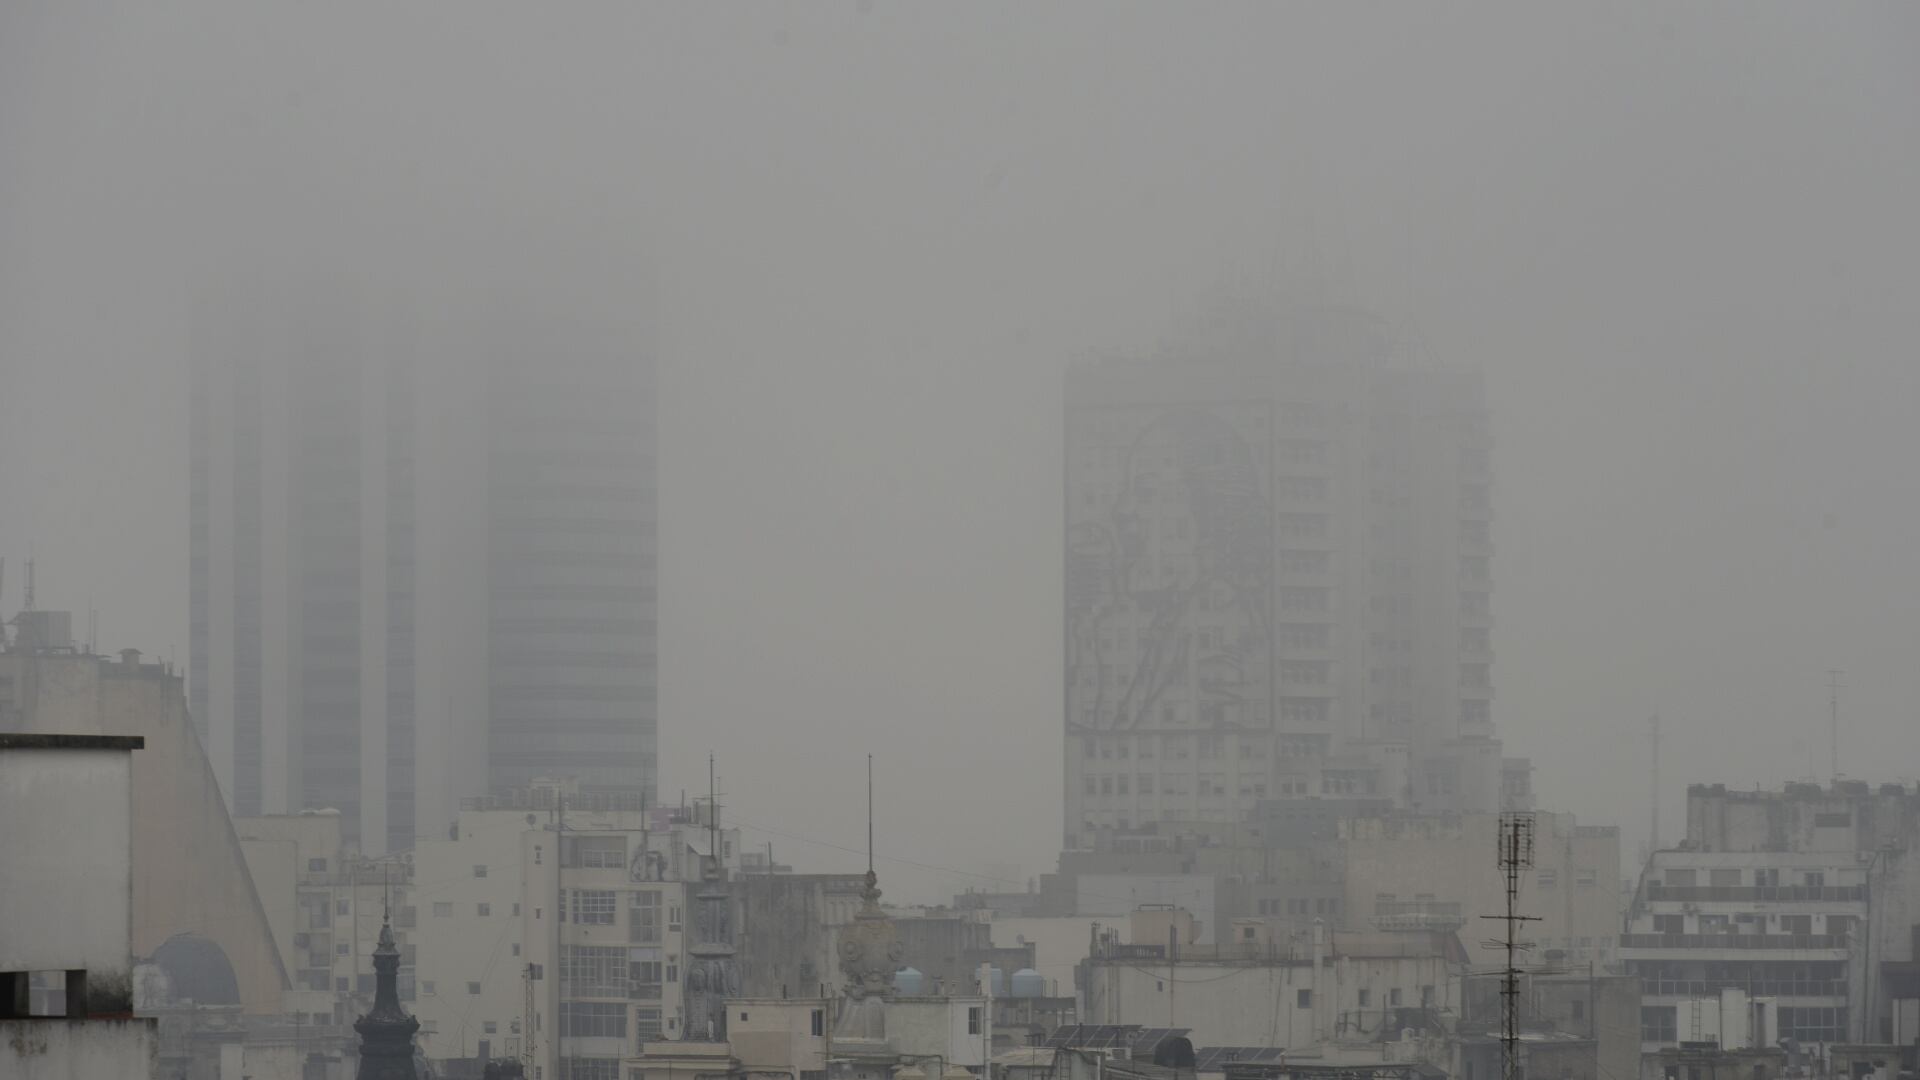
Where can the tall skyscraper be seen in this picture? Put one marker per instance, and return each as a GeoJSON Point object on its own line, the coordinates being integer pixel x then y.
{"type": "Point", "coordinates": [1277, 579]}
{"type": "Point", "coordinates": [571, 575]}
{"type": "Point", "coordinates": [422, 565]}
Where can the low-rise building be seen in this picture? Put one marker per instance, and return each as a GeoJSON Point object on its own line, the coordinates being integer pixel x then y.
{"type": "Point", "coordinates": [1769, 895]}
{"type": "Point", "coordinates": [1279, 992]}
{"type": "Point", "coordinates": [49, 684]}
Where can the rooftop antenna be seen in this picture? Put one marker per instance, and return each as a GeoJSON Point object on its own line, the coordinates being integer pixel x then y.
{"type": "Point", "coordinates": [29, 606]}
{"type": "Point", "coordinates": [869, 815]}
{"type": "Point", "coordinates": [1653, 737]}
{"type": "Point", "coordinates": [1832, 706]}
{"type": "Point", "coordinates": [1516, 855]}
{"type": "Point", "coordinates": [713, 812]}
{"type": "Point", "coordinates": [386, 895]}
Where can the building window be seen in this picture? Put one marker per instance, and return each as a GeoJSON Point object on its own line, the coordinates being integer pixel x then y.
{"type": "Point", "coordinates": [341, 907]}
{"type": "Point", "coordinates": [579, 1068]}
{"type": "Point", "coordinates": [1303, 999]}
{"type": "Point", "coordinates": [442, 909]}
{"type": "Point", "coordinates": [484, 909]}
{"type": "Point", "coordinates": [1547, 879]}
{"type": "Point", "coordinates": [1393, 998]}
{"type": "Point", "coordinates": [646, 1024]}
{"type": "Point", "coordinates": [1586, 879]}
{"type": "Point", "coordinates": [342, 985]}
{"type": "Point", "coordinates": [593, 1019]}
{"type": "Point", "coordinates": [318, 866]}
{"type": "Point", "coordinates": [819, 1023]}
{"type": "Point", "coordinates": [473, 988]}
{"type": "Point", "coordinates": [1660, 1024]}
{"type": "Point", "coordinates": [480, 871]}
{"type": "Point", "coordinates": [1366, 998]}
{"type": "Point", "coordinates": [598, 852]}
{"type": "Point", "coordinates": [973, 1020]}
{"type": "Point", "coordinates": [593, 906]}
{"type": "Point", "coordinates": [490, 1027]}
{"type": "Point", "coordinates": [1303, 598]}
{"type": "Point", "coordinates": [643, 916]}
{"type": "Point", "coordinates": [426, 986]}
{"type": "Point", "coordinates": [1577, 1009]}
{"type": "Point", "coordinates": [594, 971]}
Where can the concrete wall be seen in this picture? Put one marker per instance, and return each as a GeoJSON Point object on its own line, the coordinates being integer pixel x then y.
{"type": "Point", "coordinates": [189, 874]}
{"type": "Point", "coordinates": [457, 945]}
{"type": "Point", "coordinates": [78, 1049]}
{"type": "Point", "coordinates": [922, 1026]}
{"type": "Point", "coordinates": [66, 849]}
{"type": "Point", "coordinates": [1259, 1004]}
{"type": "Point", "coordinates": [1573, 888]}
{"type": "Point", "coordinates": [787, 927]}
{"type": "Point", "coordinates": [778, 1035]}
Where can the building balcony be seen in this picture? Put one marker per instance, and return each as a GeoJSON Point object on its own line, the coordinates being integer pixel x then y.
{"type": "Point", "coordinates": [1693, 988]}
{"type": "Point", "coordinates": [1781, 894]}
{"type": "Point", "coordinates": [1719, 946]}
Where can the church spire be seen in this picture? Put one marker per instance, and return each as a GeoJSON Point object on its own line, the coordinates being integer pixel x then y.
{"type": "Point", "coordinates": [386, 1032]}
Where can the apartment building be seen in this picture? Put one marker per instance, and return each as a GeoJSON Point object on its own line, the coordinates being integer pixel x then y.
{"type": "Point", "coordinates": [1278, 579]}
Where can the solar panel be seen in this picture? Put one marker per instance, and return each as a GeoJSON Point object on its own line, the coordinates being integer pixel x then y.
{"type": "Point", "coordinates": [1093, 1036]}
{"type": "Point", "coordinates": [1141, 1046]}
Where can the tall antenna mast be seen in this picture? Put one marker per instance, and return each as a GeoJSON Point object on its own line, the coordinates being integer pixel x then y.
{"type": "Point", "coordinates": [1516, 855]}
{"type": "Point", "coordinates": [1653, 737]}
{"type": "Point", "coordinates": [713, 812]}
{"type": "Point", "coordinates": [869, 813]}
{"type": "Point", "coordinates": [29, 606]}
{"type": "Point", "coordinates": [1833, 718]}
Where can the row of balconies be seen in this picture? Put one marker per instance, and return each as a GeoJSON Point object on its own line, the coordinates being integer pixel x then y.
{"type": "Point", "coordinates": [1733, 941]}
{"type": "Point", "coordinates": [1775, 893]}
{"type": "Point", "coordinates": [1757, 987]}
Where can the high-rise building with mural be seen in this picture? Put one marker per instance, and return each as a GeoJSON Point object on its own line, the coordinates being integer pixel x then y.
{"type": "Point", "coordinates": [1277, 578]}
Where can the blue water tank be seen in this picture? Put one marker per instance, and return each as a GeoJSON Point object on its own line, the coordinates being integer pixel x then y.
{"type": "Point", "coordinates": [997, 977]}
{"type": "Point", "coordinates": [909, 982]}
{"type": "Point", "coordinates": [1028, 983]}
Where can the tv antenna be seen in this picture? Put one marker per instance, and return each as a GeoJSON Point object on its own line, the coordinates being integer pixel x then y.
{"type": "Point", "coordinates": [1516, 855]}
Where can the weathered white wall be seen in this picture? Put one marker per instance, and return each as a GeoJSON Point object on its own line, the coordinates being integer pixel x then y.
{"type": "Point", "coordinates": [930, 1026]}
{"type": "Point", "coordinates": [78, 1049]}
{"type": "Point", "coordinates": [1574, 887]}
{"type": "Point", "coordinates": [189, 874]}
{"type": "Point", "coordinates": [774, 1034]}
{"type": "Point", "coordinates": [66, 847]}
{"type": "Point", "coordinates": [1227, 1004]}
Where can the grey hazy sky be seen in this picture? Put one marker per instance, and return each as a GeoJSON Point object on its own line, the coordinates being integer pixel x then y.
{"type": "Point", "coordinates": [1682, 242]}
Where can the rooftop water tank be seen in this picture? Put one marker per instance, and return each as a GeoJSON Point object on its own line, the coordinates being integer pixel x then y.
{"type": "Point", "coordinates": [909, 982]}
{"type": "Point", "coordinates": [1028, 983]}
{"type": "Point", "coordinates": [997, 978]}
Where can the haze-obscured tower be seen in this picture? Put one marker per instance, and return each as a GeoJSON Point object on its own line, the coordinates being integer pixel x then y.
{"type": "Point", "coordinates": [302, 556]}
{"type": "Point", "coordinates": [1278, 579]}
{"type": "Point", "coordinates": [422, 553]}
{"type": "Point", "coordinates": [571, 578]}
